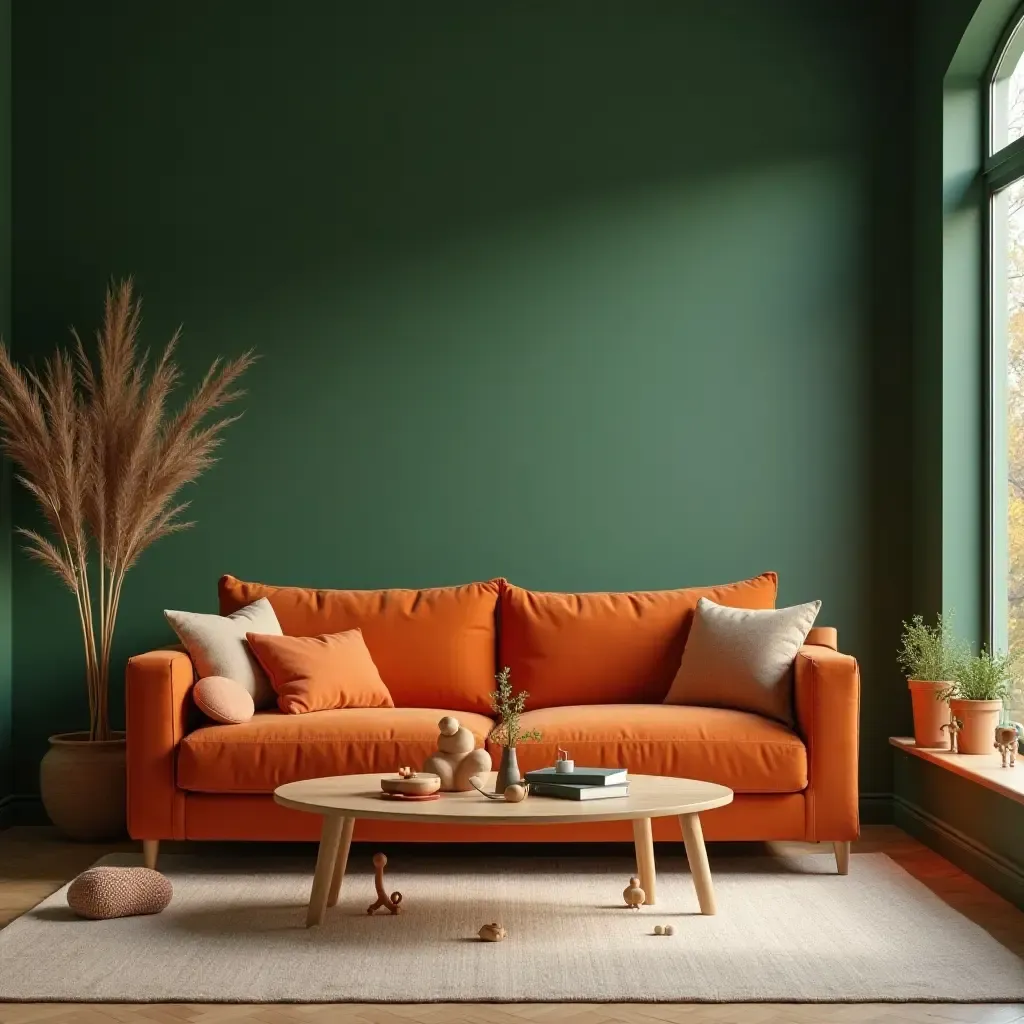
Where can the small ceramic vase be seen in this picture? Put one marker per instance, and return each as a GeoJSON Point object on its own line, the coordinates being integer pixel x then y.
{"type": "Point", "coordinates": [508, 770]}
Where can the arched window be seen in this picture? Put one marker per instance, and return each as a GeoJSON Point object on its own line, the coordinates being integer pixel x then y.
{"type": "Point", "coordinates": [1003, 175]}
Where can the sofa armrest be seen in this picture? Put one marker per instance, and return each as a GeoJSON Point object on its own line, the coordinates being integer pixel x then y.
{"type": "Point", "coordinates": [827, 696]}
{"type": "Point", "coordinates": [157, 707]}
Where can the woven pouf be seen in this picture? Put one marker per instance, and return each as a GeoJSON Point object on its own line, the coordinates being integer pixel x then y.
{"type": "Point", "coordinates": [102, 893]}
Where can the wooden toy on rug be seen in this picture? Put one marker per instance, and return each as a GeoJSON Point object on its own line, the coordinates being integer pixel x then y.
{"type": "Point", "coordinates": [393, 901]}
{"type": "Point", "coordinates": [1006, 744]}
{"type": "Point", "coordinates": [102, 893]}
{"type": "Point", "coordinates": [659, 929]}
{"type": "Point", "coordinates": [954, 725]}
{"type": "Point", "coordinates": [669, 930]}
{"type": "Point", "coordinates": [455, 760]}
{"type": "Point", "coordinates": [633, 894]}
{"type": "Point", "coordinates": [492, 932]}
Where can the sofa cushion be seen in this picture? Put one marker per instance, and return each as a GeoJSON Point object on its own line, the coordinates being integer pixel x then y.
{"type": "Point", "coordinates": [745, 752]}
{"type": "Point", "coordinates": [433, 648]}
{"type": "Point", "coordinates": [568, 649]}
{"type": "Point", "coordinates": [273, 748]}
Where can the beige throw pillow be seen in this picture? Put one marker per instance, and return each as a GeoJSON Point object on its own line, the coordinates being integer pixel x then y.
{"type": "Point", "coordinates": [216, 644]}
{"type": "Point", "coordinates": [741, 659]}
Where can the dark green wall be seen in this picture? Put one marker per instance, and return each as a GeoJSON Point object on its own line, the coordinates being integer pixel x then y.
{"type": "Point", "coordinates": [588, 295]}
{"type": "Point", "coordinates": [6, 780]}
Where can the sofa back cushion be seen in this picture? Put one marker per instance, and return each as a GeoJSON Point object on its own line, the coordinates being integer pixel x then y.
{"type": "Point", "coordinates": [606, 648]}
{"type": "Point", "coordinates": [433, 648]}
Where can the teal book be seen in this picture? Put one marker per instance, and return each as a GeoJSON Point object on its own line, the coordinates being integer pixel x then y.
{"type": "Point", "coordinates": [580, 777]}
{"type": "Point", "coordinates": [568, 791]}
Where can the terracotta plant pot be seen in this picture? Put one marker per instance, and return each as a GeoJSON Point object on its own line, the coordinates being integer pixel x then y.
{"type": "Point", "coordinates": [930, 713]}
{"type": "Point", "coordinates": [980, 718]}
{"type": "Point", "coordinates": [83, 786]}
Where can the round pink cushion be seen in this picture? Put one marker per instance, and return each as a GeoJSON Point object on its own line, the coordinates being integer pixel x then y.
{"type": "Point", "coordinates": [223, 700]}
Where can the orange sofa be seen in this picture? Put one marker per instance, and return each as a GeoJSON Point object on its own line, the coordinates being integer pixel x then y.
{"type": "Point", "coordinates": [597, 667]}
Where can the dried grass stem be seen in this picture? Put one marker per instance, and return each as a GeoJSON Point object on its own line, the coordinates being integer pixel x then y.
{"type": "Point", "coordinates": [97, 449]}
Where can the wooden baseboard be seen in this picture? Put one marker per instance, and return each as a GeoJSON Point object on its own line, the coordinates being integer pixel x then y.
{"type": "Point", "coordinates": [22, 809]}
{"type": "Point", "coordinates": [876, 808]}
{"type": "Point", "coordinates": [977, 859]}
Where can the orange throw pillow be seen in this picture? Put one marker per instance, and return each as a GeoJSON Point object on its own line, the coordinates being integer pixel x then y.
{"type": "Point", "coordinates": [318, 673]}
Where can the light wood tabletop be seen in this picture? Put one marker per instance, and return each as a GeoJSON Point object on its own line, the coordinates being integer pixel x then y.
{"type": "Point", "coordinates": [342, 799]}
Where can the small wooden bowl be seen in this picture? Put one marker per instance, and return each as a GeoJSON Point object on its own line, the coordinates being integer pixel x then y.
{"type": "Point", "coordinates": [420, 784]}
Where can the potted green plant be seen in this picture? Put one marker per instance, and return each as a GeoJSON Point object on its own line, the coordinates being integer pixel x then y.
{"type": "Point", "coordinates": [981, 684]}
{"type": "Point", "coordinates": [930, 655]}
{"type": "Point", "coordinates": [97, 448]}
{"type": "Point", "coordinates": [508, 707]}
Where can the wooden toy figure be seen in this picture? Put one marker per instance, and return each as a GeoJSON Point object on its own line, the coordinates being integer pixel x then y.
{"type": "Point", "coordinates": [633, 894]}
{"type": "Point", "coordinates": [954, 725]}
{"type": "Point", "coordinates": [383, 899]}
{"type": "Point", "coordinates": [455, 760]}
{"type": "Point", "coordinates": [1006, 744]}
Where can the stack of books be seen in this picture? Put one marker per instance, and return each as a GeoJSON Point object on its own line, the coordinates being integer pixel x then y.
{"type": "Point", "coordinates": [579, 784]}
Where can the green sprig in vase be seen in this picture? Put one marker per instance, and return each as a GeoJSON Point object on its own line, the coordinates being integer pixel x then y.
{"type": "Point", "coordinates": [508, 707]}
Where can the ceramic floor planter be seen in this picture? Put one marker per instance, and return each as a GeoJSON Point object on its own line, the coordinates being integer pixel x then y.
{"type": "Point", "coordinates": [980, 718]}
{"type": "Point", "coordinates": [930, 713]}
{"type": "Point", "coordinates": [82, 783]}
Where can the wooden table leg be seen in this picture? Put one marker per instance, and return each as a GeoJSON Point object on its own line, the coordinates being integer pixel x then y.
{"type": "Point", "coordinates": [697, 855]}
{"type": "Point", "coordinates": [644, 843]}
{"type": "Point", "coordinates": [341, 860]}
{"type": "Point", "coordinates": [326, 858]}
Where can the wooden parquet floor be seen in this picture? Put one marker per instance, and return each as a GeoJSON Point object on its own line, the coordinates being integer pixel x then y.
{"type": "Point", "coordinates": [34, 863]}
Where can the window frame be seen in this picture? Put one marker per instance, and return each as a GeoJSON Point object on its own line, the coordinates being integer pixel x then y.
{"type": "Point", "coordinates": [1000, 168]}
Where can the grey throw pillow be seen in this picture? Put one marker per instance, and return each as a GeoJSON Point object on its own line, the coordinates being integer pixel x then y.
{"type": "Point", "coordinates": [742, 659]}
{"type": "Point", "coordinates": [217, 645]}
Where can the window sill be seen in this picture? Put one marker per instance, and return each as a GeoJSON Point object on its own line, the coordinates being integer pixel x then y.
{"type": "Point", "coordinates": [985, 769]}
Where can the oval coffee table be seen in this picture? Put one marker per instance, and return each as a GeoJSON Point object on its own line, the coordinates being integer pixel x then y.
{"type": "Point", "coordinates": [344, 798]}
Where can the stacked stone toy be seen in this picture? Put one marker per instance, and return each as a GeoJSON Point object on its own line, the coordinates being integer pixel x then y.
{"type": "Point", "coordinates": [455, 760]}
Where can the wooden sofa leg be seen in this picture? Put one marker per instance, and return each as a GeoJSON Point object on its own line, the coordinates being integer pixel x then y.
{"type": "Point", "coordinates": [842, 857]}
{"type": "Point", "coordinates": [150, 851]}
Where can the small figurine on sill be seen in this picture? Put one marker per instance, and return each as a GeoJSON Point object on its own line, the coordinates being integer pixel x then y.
{"type": "Point", "coordinates": [954, 725]}
{"type": "Point", "coordinates": [1006, 744]}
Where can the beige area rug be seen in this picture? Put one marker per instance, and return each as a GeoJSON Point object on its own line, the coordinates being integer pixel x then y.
{"type": "Point", "coordinates": [786, 929]}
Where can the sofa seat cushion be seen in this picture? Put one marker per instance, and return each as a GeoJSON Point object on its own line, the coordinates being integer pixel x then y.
{"type": "Point", "coordinates": [612, 648]}
{"type": "Point", "coordinates": [273, 748]}
{"type": "Point", "coordinates": [433, 648]}
{"type": "Point", "coordinates": [745, 752]}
